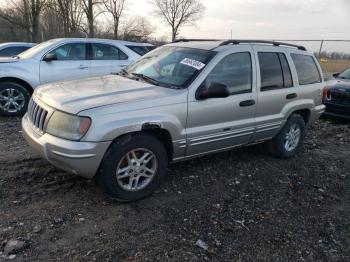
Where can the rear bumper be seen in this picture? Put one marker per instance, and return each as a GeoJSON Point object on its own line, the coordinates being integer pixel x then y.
{"type": "Point", "coordinates": [81, 158]}
{"type": "Point", "coordinates": [337, 110]}
{"type": "Point", "coordinates": [316, 113]}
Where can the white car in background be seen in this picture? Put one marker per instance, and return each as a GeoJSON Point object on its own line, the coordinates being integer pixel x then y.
{"type": "Point", "coordinates": [57, 60]}
{"type": "Point", "coordinates": [15, 48]}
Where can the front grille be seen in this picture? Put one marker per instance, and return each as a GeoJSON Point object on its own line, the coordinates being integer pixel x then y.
{"type": "Point", "coordinates": [340, 97]}
{"type": "Point", "coordinates": [37, 115]}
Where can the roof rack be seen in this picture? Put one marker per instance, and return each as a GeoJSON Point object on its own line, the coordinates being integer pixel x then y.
{"type": "Point", "coordinates": [198, 40]}
{"type": "Point", "coordinates": [236, 42]}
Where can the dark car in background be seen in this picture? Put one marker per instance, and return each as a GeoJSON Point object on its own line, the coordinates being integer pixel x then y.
{"type": "Point", "coordinates": [337, 95]}
{"type": "Point", "coordinates": [12, 49]}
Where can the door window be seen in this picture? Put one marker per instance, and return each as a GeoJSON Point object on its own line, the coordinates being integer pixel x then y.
{"type": "Point", "coordinates": [234, 71]}
{"type": "Point", "coordinates": [287, 75]}
{"type": "Point", "coordinates": [107, 52]}
{"type": "Point", "coordinates": [274, 71]}
{"type": "Point", "coordinates": [306, 69]}
{"type": "Point", "coordinates": [69, 52]}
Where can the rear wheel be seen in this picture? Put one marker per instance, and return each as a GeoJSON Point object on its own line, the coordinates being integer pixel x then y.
{"type": "Point", "coordinates": [133, 167]}
{"type": "Point", "coordinates": [14, 99]}
{"type": "Point", "coordinates": [289, 139]}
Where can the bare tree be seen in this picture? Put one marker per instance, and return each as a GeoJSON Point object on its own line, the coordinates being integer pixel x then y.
{"type": "Point", "coordinates": [71, 14]}
{"type": "Point", "coordinates": [137, 29]}
{"type": "Point", "coordinates": [89, 10]}
{"type": "Point", "coordinates": [178, 13]}
{"type": "Point", "coordinates": [115, 8]}
{"type": "Point", "coordinates": [24, 14]}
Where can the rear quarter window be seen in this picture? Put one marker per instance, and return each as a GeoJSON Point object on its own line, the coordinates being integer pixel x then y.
{"type": "Point", "coordinates": [307, 69]}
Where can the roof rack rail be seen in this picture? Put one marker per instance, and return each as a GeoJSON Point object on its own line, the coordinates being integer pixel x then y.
{"type": "Point", "coordinates": [199, 40]}
{"type": "Point", "coordinates": [236, 42]}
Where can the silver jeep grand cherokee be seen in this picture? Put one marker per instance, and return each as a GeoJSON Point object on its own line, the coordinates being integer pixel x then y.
{"type": "Point", "coordinates": [182, 100]}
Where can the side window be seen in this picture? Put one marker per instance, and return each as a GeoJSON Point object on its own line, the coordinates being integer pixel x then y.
{"type": "Point", "coordinates": [107, 52]}
{"type": "Point", "coordinates": [235, 71]}
{"type": "Point", "coordinates": [270, 71]}
{"type": "Point", "coordinates": [287, 75]}
{"type": "Point", "coordinates": [306, 69]}
{"type": "Point", "coordinates": [69, 52]}
{"type": "Point", "coordinates": [11, 51]}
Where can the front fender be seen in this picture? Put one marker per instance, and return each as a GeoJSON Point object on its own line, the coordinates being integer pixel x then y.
{"type": "Point", "coordinates": [107, 126]}
{"type": "Point", "coordinates": [28, 72]}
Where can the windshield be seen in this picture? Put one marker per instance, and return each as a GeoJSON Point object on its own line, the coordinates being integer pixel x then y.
{"type": "Point", "coordinates": [345, 74]}
{"type": "Point", "coordinates": [171, 66]}
{"type": "Point", "coordinates": [36, 49]}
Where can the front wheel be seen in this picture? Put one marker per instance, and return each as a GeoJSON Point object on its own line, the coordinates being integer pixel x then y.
{"type": "Point", "coordinates": [133, 167]}
{"type": "Point", "coordinates": [14, 99]}
{"type": "Point", "coordinates": [289, 139]}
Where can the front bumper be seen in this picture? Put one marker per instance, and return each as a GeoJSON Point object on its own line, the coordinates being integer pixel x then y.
{"type": "Point", "coordinates": [337, 110]}
{"type": "Point", "coordinates": [81, 158]}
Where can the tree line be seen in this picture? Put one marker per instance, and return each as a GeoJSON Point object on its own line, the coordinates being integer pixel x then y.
{"type": "Point", "coordinates": [39, 20]}
{"type": "Point", "coordinates": [333, 55]}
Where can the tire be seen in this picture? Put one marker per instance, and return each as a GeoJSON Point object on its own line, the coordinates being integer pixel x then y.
{"type": "Point", "coordinates": [12, 90]}
{"type": "Point", "coordinates": [115, 160]}
{"type": "Point", "coordinates": [278, 146]}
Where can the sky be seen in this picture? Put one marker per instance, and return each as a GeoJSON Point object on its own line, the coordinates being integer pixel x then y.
{"type": "Point", "coordinates": [263, 19]}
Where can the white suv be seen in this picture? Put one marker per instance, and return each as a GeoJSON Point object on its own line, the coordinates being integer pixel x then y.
{"type": "Point", "coordinates": [61, 59]}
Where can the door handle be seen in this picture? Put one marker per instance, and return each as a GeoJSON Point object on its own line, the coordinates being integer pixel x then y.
{"type": "Point", "coordinates": [82, 67]}
{"type": "Point", "coordinates": [292, 96]}
{"type": "Point", "coordinates": [247, 103]}
{"type": "Point", "coordinates": [123, 65]}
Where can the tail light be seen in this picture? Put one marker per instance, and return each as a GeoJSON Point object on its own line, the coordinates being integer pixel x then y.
{"type": "Point", "coordinates": [326, 94]}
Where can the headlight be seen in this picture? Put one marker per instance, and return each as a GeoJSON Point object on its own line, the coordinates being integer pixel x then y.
{"type": "Point", "coordinates": [68, 126]}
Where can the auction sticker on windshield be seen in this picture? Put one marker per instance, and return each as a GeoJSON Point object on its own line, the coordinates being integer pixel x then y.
{"type": "Point", "coordinates": [192, 63]}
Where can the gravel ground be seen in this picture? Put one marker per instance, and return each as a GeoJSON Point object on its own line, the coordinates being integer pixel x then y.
{"type": "Point", "coordinates": [244, 204]}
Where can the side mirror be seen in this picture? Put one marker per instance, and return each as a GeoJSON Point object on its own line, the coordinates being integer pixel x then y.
{"type": "Point", "coordinates": [50, 57]}
{"type": "Point", "coordinates": [336, 74]}
{"type": "Point", "coordinates": [215, 90]}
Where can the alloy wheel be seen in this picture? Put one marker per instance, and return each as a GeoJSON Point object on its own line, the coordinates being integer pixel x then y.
{"type": "Point", "coordinates": [11, 100]}
{"type": "Point", "coordinates": [292, 138]}
{"type": "Point", "coordinates": [136, 169]}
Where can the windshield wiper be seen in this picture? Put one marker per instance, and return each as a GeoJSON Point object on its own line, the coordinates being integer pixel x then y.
{"type": "Point", "coordinates": [124, 72]}
{"type": "Point", "coordinates": [147, 78]}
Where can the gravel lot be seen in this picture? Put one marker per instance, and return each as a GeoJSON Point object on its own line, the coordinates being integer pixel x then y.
{"type": "Point", "coordinates": [244, 204]}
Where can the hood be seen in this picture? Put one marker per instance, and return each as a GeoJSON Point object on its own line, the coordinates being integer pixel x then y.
{"type": "Point", "coordinates": [78, 95]}
{"type": "Point", "coordinates": [8, 59]}
{"type": "Point", "coordinates": [339, 84]}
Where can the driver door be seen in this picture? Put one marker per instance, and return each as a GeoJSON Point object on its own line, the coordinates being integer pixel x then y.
{"type": "Point", "coordinates": [71, 64]}
{"type": "Point", "coordinates": [220, 123]}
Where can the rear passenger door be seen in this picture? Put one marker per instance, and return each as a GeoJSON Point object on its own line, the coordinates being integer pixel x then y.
{"type": "Point", "coordinates": [106, 59]}
{"type": "Point", "coordinates": [218, 123]}
{"type": "Point", "coordinates": [276, 89]}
